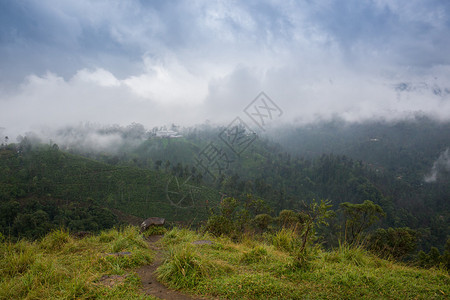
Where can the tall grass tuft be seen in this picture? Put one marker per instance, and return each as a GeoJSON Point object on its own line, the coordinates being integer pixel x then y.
{"type": "Point", "coordinates": [16, 259]}
{"type": "Point", "coordinates": [184, 268]}
{"type": "Point", "coordinates": [285, 240]}
{"type": "Point", "coordinates": [355, 255]}
{"type": "Point", "coordinates": [256, 255]}
{"type": "Point", "coordinates": [56, 240]}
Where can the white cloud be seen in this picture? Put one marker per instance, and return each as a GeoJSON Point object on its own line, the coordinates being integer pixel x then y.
{"type": "Point", "coordinates": [168, 83]}
{"type": "Point", "coordinates": [100, 77]}
{"type": "Point", "coordinates": [118, 62]}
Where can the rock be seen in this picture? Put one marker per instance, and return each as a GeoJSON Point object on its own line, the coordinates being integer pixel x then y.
{"type": "Point", "coordinates": [153, 221]}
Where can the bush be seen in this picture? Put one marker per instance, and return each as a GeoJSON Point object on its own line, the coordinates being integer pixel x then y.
{"type": "Point", "coordinates": [219, 225]}
{"type": "Point", "coordinates": [288, 218]}
{"type": "Point", "coordinates": [393, 242]}
{"type": "Point", "coordinates": [262, 221]}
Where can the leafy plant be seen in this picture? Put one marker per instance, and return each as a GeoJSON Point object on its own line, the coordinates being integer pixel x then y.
{"type": "Point", "coordinates": [360, 217]}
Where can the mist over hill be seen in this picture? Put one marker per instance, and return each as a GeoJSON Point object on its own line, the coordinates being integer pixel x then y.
{"type": "Point", "coordinates": [402, 166]}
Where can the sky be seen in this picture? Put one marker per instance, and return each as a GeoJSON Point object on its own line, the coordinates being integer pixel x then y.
{"type": "Point", "coordinates": [188, 62]}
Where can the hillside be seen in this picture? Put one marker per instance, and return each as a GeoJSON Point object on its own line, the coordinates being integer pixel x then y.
{"type": "Point", "coordinates": [143, 175]}
{"type": "Point", "coordinates": [42, 187]}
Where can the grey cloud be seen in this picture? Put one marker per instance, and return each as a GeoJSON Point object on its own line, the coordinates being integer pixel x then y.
{"type": "Point", "coordinates": [185, 62]}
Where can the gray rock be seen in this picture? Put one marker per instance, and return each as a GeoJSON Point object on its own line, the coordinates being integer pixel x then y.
{"type": "Point", "coordinates": [153, 221]}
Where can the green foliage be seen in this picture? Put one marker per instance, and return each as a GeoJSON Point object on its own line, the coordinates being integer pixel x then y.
{"type": "Point", "coordinates": [288, 218]}
{"type": "Point", "coordinates": [316, 214]}
{"type": "Point", "coordinates": [154, 230]}
{"type": "Point", "coordinates": [219, 225]}
{"type": "Point", "coordinates": [393, 242]}
{"type": "Point", "coordinates": [224, 223]}
{"type": "Point", "coordinates": [258, 254]}
{"type": "Point", "coordinates": [228, 207]}
{"type": "Point", "coordinates": [434, 258]}
{"type": "Point", "coordinates": [43, 188]}
{"type": "Point", "coordinates": [262, 221]}
{"type": "Point", "coordinates": [298, 239]}
{"type": "Point", "coordinates": [285, 239]}
{"type": "Point", "coordinates": [360, 217]}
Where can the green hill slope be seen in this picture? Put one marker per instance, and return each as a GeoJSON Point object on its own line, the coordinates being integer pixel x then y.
{"type": "Point", "coordinates": [57, 184]}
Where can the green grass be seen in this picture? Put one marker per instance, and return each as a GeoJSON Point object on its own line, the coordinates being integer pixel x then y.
{"type": "Point", "coordinates": [59, 266]}
{"type": "Point", "coordinates": [267, 270]}
{"type": "Point", "coordinates": [154, 230]}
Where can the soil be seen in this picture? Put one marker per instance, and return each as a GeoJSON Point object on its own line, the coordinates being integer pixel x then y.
{"type": "Point", "coordinates": [150, 284]}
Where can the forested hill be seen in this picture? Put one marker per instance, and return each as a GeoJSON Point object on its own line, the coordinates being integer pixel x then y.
{"type": "Point", "coordinates": [149, 175]}
{"type": "Point", "coordinates": [42, 188]}
{"type": "Point", "coordinates": [403, 166]}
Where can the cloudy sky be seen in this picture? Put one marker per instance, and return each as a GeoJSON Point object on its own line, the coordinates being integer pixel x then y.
{"type": "Point", "coordinates": [184, 62]}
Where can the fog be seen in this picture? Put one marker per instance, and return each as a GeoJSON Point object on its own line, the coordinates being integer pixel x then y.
{"type": "Point", "coordinates": [442, 164]}
{"type": "Point", "coordinates": [112, 62]}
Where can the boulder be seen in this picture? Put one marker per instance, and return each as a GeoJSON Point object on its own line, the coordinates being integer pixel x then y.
{"type": "Point", "coordinates": [153, 221]}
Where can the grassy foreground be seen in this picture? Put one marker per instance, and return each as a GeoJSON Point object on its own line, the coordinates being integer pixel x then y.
{"type": "Point", "coordinates": [61, 267]}
{"type": "Point", "coordinates": [266, 270]}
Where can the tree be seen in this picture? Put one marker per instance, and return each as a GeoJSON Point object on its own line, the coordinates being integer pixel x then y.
{"type": "Point", "coordinates": [393, 242]}
{"type": "Point", "coordinates": [288, 218]}
{"type": "Point", "coordinates": [262, 221]}
{"type": "Point", "coordinates": [360, 217]}
{"type": "Point", "coordinates": [315, 215]}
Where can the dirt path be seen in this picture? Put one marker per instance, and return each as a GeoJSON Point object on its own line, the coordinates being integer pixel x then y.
{"type": "Point", "coordinates": [150, 285]}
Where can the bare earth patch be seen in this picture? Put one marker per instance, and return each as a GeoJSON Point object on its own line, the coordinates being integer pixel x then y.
{"type": "Point", "coordinates": [111, 280]}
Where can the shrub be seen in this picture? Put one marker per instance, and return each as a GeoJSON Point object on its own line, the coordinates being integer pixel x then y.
{"type": "Point", "coordinates": [219, 225]}
{"type": "Point", "coordinates": [262, 221]}
{"type": "Point", "coordinates": [288, 218]}
{"type": "Point", "coordinates": [393, 242]}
